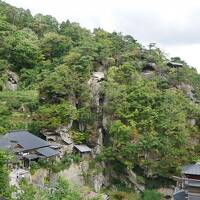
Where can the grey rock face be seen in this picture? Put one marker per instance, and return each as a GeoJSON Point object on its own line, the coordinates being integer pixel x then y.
{"type": "Point", "coordinates": [192, 122]}
{"type": "Point", "coordinates": [99, 144]}
{"type": "Point", "coordinates": [98, 181]}
{"type": "Point", "coordinates": [61, 136]}
{"type": "Point", "coordinates": [133, 179]}
{"type": "Point", "coordinates": [188, 90]}
{"type": "Point", "coordinates": [64, 133]}
{"type": "Point", "coordinates": [95, 83]}
{"type": "Point", "coordinates": [95, 86]}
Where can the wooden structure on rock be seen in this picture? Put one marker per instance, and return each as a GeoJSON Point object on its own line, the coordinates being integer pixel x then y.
{"type": "Point", "coordinates": [188, 186]}
{"type": "Point", "coordinates": [83, 150]}
{"type": "Point", "coordinates": [27, 147]}
{"type": "Point", "coordinates": [174, 64]}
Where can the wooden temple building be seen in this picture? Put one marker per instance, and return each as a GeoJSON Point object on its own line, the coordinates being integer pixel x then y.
{"type": "Point", "coordinates": [188, 186]}
{"type": "Point", "coordinates": [174, 64]}
{"type": "Point", "coordinates": [27, 147]}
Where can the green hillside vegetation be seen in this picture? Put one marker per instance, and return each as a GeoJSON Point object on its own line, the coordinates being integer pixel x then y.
{"type": "Point", "coordinates": [16, 108]}
{"type": "Point", "coordinates": [147, 118]}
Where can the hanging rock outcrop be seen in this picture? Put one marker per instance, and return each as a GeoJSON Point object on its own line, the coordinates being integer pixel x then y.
{"type": "Point", "coordinates": [95, 88]}
{"type": "Point", "coordinates": [97, 178]}
{"type": "Point", "coordinates": [62, 137]}
{"type": "Point", "coordinates": [95, 84]}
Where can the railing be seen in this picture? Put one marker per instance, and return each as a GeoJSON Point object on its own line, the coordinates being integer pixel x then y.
{"type": "Point", "coordinates": [192, 182]}
{"type": "Point", "coordinates": [187, 181]}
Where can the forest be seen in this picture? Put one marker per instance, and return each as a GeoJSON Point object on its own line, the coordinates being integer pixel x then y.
{"type": "Point", "coordinates": [148, 112]}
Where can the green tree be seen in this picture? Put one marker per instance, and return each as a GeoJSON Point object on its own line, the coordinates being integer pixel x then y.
{"type": "Point", "coordinates": [15, 16]}
{"type": "Point", "coordinates": [53, 116]}
{"type": "Point", "coordinates": [21, 48]}
{"type": "Point", "coordinates": [43, 24]}
{"type": "Point", "coordinates": [55, 45]}
{"type": "Point", "coordinates": [63, 191]}
{"type": "Point", "coordinates": [151, 195]}
{"type": "Point", "coordinates": [5, 189]}
{"type": "Point", "coordinates": [28, 191]}
{"type": "Point", "coordinates": [74, 31]}
{"type": "Point", "coordinates": [157, 123]}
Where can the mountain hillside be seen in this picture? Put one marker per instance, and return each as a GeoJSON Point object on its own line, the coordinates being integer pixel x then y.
{"type": "Point", "coordinates": [138, 110]}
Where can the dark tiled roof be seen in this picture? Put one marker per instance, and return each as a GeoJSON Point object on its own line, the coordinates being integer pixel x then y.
{"type": "Point", "coordinates": [5, 143]}
{"type": "Point", "coordinates": [21, 141]}
{"type": "Point", "coordinates": [26, 140]}
{"type": "Point", "coordinates": [3, 198]}
{"type": "Point", "coordinates": [47, 152]}
{"type": "Point", "coordinates": [192, 169]}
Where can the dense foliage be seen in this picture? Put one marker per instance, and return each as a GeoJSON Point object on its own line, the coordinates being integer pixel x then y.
{"type": "Point", "coordinates": [148, 115]}
{"type": "Point", "coordinates": [62, 191]}
{"type": "Point", "coordinates": [5, 189]}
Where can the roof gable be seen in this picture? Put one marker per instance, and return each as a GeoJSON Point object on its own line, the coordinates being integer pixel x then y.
{"type": "Point", "coordinates": [83, 148]}
{"type": "Point", "coordinates": [174, 64]}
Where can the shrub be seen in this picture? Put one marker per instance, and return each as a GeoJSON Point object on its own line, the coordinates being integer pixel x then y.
{"type": "Point", "coordinates": [34, 167]}
{"type": "Point", "coordinates": [79, 137]}
{"type": "Point", "coordinates": [53, 116]}
{"type": "Point", "coordinates": [151, 195]}
{"type": "Point", "coordinates": [14, 104]}
{"type": "Point", "coordinates": [121, 195]}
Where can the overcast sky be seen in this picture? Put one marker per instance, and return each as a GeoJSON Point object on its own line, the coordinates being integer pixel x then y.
{"type": "Point", "coordinates": [174, 25]}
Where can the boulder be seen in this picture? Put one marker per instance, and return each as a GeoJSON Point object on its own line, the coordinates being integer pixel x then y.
{"type": "Point", "coordinates": [188, 90]}
{"type": "Point", "coordinates": [63, 132]}
{"type": "Point", "coordinates": [192, 122]}
{"type": "Point", "coordinates": [12, 82]}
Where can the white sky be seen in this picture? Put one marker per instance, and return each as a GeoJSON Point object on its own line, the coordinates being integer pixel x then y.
{"type": "Point", "coordinates": [173, 24]}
